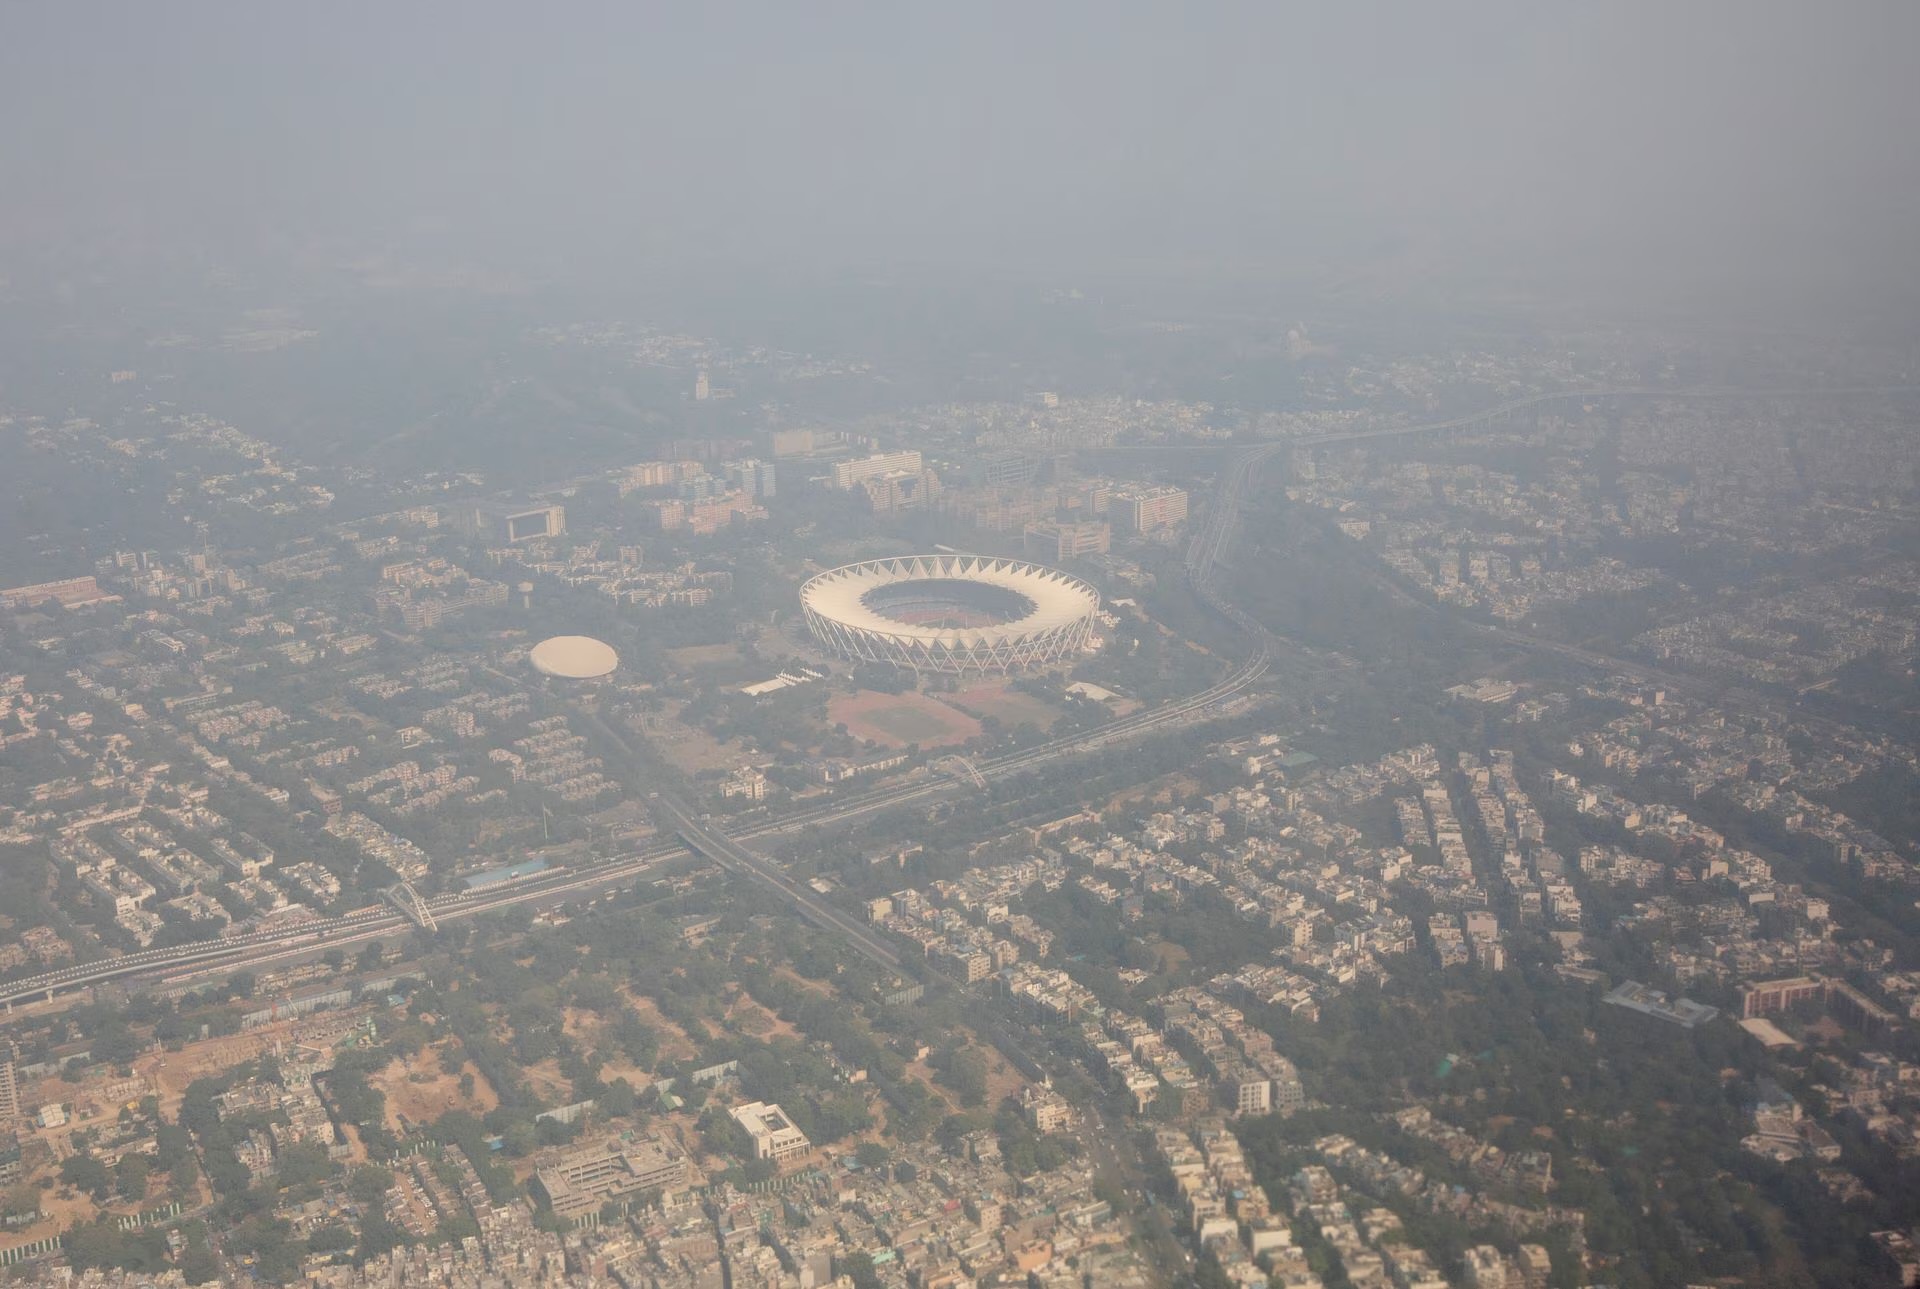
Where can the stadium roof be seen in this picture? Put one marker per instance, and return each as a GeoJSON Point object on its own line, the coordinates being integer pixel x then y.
{"type": "Point", "coordinates": [573, 657]}
{"type": "Point", "coordinates": [1058, 599]}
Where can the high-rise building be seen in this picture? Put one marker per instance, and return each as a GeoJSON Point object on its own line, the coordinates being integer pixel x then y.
{"type": "Point", "coordinates": [1056, 541]}
{"type": "Point", "coordinates": [702, 387]}
{"type": "Point", "coordinates": [753, 477]}
{"type": "Point", "coordinates": [9, 1094]}
{"type": "Point", "coordinates": [848, 475]}
{"type": "Point", "coordinates": [1010, 468]}
{"type": "Point", "coordinates": [891, 493]}
{"type": "Point", "coordinates": [704, 517]}
{"type": "Point", "coordinates": [1086, 497]}
{"type": "Point", "coordinates": [1289, 1096]}
{"type": "Point", "coordinates": [657, 474]}
{"type": "Point", "coordinates": [1149, 510]}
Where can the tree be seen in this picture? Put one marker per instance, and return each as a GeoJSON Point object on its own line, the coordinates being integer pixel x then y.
{"type": "Point", "coordinates": [130, 1178]}
{"type": "Point", "coordinates": [331, 1238]}
{"type": "Point", "coordinates": [617, 1099]}
{"type": "Point", "coordinates": [115, 1044]}
{"type": "Point", "coordinates": [858, 1267]}
{"type": "Point", "coordinates": [1210, 1274]}
{"type": "Point", "coordinates": [182, 1175]}
{"type": "Point", "coordinates": [965, 1071]}
{"type": "Point", "coordinates": [378, 1235]}
{"type": "Point", "coordinates": [303, 1163]}
{"type": "Point", "coordinates": [86, 1173]}
{"type": "Point", "coordinates": [520, 1138]}
{"type": "Point", "coordinates": [198, 1264]}
{"type": "Point", "coordinates": [369, 1184]}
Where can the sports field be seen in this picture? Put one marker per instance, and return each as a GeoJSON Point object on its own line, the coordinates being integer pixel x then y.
{"type": "Point", "coordinates": [895, 720]}
{"type": "Point", "coordinates": [1000, 700]}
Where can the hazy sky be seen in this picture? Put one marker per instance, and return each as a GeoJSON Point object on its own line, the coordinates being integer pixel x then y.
{"type": "Point", "coordinates": [1709, 140]}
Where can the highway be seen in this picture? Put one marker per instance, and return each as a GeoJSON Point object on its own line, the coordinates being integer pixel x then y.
{"type": "Point", "coordinates": [1205, 549]}
{"type": "Point", "coordinates": [265, 948]}
{"type": "Point", "coordinates": [734, 857]}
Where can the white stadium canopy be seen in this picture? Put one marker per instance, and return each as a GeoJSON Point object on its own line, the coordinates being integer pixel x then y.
{"type": "Point", "coordinates": [856, 611]}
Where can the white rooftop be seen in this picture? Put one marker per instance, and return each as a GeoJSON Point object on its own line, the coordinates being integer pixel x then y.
{"type": "Point", "coordinates": [573, 657]}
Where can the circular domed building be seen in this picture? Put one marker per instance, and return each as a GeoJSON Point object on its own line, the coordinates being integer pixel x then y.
{"type": "Point", "coordinates": [573, 658]}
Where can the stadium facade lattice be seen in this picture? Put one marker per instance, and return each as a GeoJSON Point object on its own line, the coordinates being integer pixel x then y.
{"type": "Point", "coordinates": [958, 614]}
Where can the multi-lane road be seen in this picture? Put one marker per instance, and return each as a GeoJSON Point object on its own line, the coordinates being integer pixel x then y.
{"type": "Point", "coordinates": [732, 856]}
{"type": "Point", "coordinates": [1209, 543]}
{"type": "Point", "coordinates": [266, 948]}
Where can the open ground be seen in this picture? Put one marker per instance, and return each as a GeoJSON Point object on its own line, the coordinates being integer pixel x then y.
{"type": "Point", "coordinates": [896, 720]}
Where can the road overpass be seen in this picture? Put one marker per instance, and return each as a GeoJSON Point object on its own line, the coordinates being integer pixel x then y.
{"type": "Point", "coordinates": [263, 948]}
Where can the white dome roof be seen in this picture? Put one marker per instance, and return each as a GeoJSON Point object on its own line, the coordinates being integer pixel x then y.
{"type": "Point", "coordinates": [573, 657]}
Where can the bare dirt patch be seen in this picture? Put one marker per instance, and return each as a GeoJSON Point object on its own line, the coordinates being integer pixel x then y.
{"type": "Point", "coordinates": [692, 750]}
{"type": "Point", "coordinates": [1002, 1079]}
{"type": "Point", "coordinates": [59, 1210]}
{"type": "Point", "coordinates": [896, 720]}
{"type": "Point", "coordinates": [924, 1073]}
{"type": "Point", "coordinates": [422, 1090]}
{"type": "Point", "coordinates": [674, 1043]}
{"type": "Point", "coordinates": [799, 981]}
{"type": "Point", "coordinates": [169, 1073]}
{"type": "Point", "coordinates": [755, 1021]}
{"type": "Point", "coordinates": [1170, 956]}
{"type": "Point", "coordinates": [547, 1083]}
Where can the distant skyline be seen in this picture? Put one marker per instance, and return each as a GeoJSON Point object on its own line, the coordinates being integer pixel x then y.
{"type": "Point", "coordinates": [1635, 148]}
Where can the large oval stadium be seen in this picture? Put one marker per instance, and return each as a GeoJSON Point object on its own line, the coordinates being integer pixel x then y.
{"type": "Point", "coordinates": [950, 613]}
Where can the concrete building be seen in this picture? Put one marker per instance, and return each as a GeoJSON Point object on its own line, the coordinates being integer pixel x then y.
{"type": "Point", "coordinates": [753, 477]}
{"type": "Point", "coordinates": [1485, 1268]}
{"type": "Point", "coordinates": [1059, 542]}
{"type": "Point", "coordinates": [511, 524]}
{"type": "Point", "coordinates": [68, 593]}
{"type": "Point", "coordinates": [657, 474]}
{"type": "Point", "coordinates": [582, 1181]}
{"type": "Point", "coordinates": [1245, 1090]}
{"type": "Point", "coordinates": [1769, 997]}
{"type": "Point", "coordinates": [1010, 468]}
{"type": "Point", "coordinates": [848, 475]}
{"type": "Point", "coordinates": [1149, 510]}
{"type": "Point", "coordinates": [774, 1136]}
{"type": "Point", "coordinates": [1046, 1110]}
{"type": "Point", "coordinates": [900, 490]}
{"type": "Point", "coordinates": [1534, 1265]}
